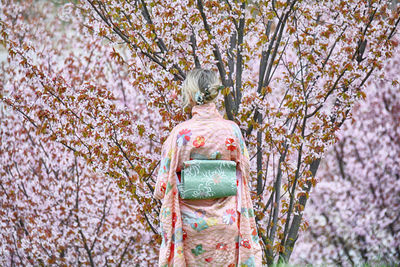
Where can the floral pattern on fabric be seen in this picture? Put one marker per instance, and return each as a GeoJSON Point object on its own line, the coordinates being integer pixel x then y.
{"type": "Point", "coordinates": [177, 237]}
{"type": "Point", "coordinates": [203, 190]}
{"type": "Point", "coordinates": [163, 187]}
{"type": "Point", "coordinates": [198, 250]}
{"type": "Point", "coordinates": [179, 251]}
{"type": "Point", "coordinates": [254, 236]}
{"type": "Point", "coordinates": [229, 216]}
{"type": "Point", "coordinates": [183, 137]}
{"type": "Point", "coordinates": [209, 259]}
{"type": "Point", "coordinates": [205, 179]}
{"type": "Point", "coordinates": [250, 262]}
{"type": "Point", "coordinates": [163, 235]}
{"type": "Point", "coordinates": [165, 212]}
{"type": "Point", "coordinates": [168, 188]}
{"type": "Point", "coordinates": [223, 227]}
{"type": "Point", "coordinates": [221, 246]}
{"type": "Point", "coordinates": [230, 144]}
{"type": "Point", "coordinates": [165, 163]}
{"type": "Point", "coordinates": [197, 220]}
{"type": "Point", "coordinates": [248, 213]}
{"type": "Point", "coordinates": [239, 136]}
{"type": "Point", "coordinates": [245, 243]}
{"type": "Point", "coordinates": [184, 235]}
{"type": "Point", "coordinates": [199, 141]}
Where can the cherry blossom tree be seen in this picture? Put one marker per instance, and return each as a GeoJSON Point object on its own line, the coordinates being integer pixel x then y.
{"type": "Point", "coordinates": [56, 211]}
{"type": "Point", "coordinates": [101, 85]}
{"type": "Point", "coordinates": [355, 209]}
{"type": "Point", "coordinates": [55, 208]}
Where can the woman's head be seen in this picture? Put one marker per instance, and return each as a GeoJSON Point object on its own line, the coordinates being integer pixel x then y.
{"type": "Point", "coordinates": [200, 86]}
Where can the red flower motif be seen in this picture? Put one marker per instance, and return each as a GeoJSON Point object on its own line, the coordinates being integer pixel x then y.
{"type": "Point", "coordinates": [229, 216]}
{"type": "Point", "coordinates": [231, 212]}
{"type": "Point", "coordinates": [230, 144]}
{"type": "Point", "coordinates": [254, 232]}
{"type": "Point", "coordinates": [245, 243]}
{"type": "Point", "coordinates": [163, 187]}
{"type": "Point", "coordinates": [185, 132]}
{"type": "Point", "coordinates": [222, 246]}
{"type": "Point", "coordinates": [184, 234]}
{"type": "Point", "coordinates": [183, 137]}
{"type": "Point", "coordinates": [209, 259]}
{"type": "Point", "coordinates": [199, 141]}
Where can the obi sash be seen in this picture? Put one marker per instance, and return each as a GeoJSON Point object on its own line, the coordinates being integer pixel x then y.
{"type": "Point", "coordinates": [208, 179]}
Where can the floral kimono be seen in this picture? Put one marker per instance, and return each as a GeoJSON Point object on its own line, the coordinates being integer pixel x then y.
{"type": "Point", "coordinates": [208, 232]}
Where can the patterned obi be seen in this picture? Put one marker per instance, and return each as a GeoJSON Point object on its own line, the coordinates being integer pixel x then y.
{"type": "Point", "coordinates": [208, 179]}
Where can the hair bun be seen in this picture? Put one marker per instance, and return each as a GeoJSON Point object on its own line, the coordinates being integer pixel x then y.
{"type": "Point", "coordinates": [200, 86]}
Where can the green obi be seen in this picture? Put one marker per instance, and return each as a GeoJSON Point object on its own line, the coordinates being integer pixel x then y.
{"type": "Point", "coordinates": [207, 179]}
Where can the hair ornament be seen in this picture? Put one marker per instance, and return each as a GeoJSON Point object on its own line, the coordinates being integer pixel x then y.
{"type": "Point", "coordinates": [199, 97]}
{"type": "Point", "coordinates": [203, 95]}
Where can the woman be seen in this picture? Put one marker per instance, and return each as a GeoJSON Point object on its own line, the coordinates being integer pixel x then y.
{"type": "Point", "coordinates": [207, 232]}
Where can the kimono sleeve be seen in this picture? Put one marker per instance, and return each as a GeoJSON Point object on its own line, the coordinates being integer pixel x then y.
{"type": "Point", "coordinates": [250, 255]}
{"type": "Point", "coordinates": [243, 165]}
{"type": "Point", "coordinates": [242, 156]}
{"type": "Point", "coordinates": [167, 152]}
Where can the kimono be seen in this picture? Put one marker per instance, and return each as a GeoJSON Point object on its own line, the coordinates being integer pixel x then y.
{"type": "Point", "coordinates": [207, 232]}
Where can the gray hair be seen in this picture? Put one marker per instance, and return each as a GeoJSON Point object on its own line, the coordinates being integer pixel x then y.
{"type": "Point", "coordinates": [201, 86]}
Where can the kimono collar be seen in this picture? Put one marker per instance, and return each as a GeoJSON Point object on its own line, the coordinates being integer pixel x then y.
{"type": "Point", "coordinates": [206, 111]}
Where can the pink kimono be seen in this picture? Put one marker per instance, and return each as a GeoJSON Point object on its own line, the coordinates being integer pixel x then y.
{"type": "Point", "coordinates": [217, 232]}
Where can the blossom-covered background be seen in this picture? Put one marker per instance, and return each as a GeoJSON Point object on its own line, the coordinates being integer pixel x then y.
{"type": "Point", "coordinates": [90, 90]}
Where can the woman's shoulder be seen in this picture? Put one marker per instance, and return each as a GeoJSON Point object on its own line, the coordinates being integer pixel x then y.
{"type": "Point", "coordinates": [214, 124]}
{"type": "Point", "coordinates": [191, 122]}
{"type": "Point", "coordinates": [179, 127]}
{"type": "Point", "coordinates": [182, 125]}
{"type": "Point", "coordinates": [231, 124]}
